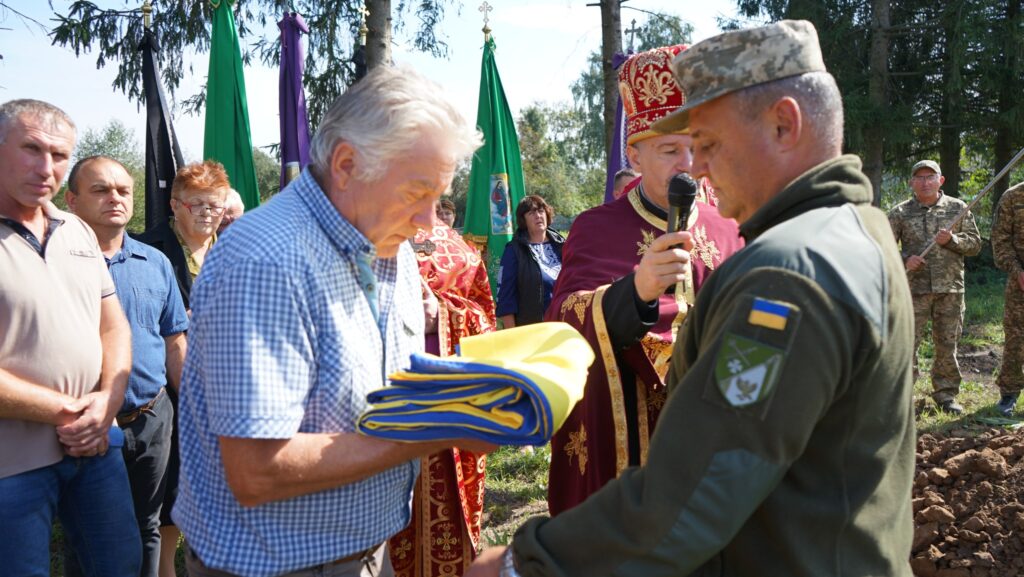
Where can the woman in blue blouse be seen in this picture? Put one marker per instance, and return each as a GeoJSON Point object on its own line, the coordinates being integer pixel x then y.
{"type": "Point", "coordinates": [530, 265]}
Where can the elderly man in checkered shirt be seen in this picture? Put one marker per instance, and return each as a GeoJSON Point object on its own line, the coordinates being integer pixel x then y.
{"type": "Point", "coordinates": [301, 309]}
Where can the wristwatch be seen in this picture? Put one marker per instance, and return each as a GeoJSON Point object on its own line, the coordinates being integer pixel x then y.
{"type": "Point", "coordinates": [508, 564]}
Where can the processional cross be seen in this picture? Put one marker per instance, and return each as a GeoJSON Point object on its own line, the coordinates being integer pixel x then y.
{"type": "Point", "coordinates": [632, 31]}
{"type": "Point", "coordinates": [486, 8]}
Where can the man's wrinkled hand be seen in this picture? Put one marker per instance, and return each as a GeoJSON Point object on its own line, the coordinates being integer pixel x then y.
{"type": "Point", "coordinates": [95, 447]}
{"type": "Point", "coordinates": [943, 236]}
{"type": "Point", "coordinates": [88, 433]}
{"type": "Point", "coordinates": [665, 262]}
{"type": "Point", "coordinates": [914, 263]}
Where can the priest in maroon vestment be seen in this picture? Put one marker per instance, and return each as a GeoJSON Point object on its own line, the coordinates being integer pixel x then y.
{"type": "Point", "coordinates": [603, 291]}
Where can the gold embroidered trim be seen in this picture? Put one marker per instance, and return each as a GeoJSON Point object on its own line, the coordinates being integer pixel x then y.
{"type": "Point", "coordinates": [577, 446]}
{"type": "Point", "coordinates": [611, 367]}
{"type": "Point", "coordinates": [643, 245]}
{"type": "Point", "coordinates": [704, 248]}
{"type": "Point", "coordinates": [578, 302]}
{"type": "Point", "coordinates": [651, 218]}
{"type": "Point", "coordinates": [642, 418]}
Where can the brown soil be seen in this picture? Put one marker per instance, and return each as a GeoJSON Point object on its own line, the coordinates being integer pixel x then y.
{"type": "Point", "coordinates": [978, 363]}
{"type": "Point", "coordinates": [968, 510]}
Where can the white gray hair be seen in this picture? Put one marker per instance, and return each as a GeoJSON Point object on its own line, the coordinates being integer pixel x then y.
{"type": "Point", "coordinates": [48, 113]}
{"type": "Point", "coordinates": [381, 117]}
{"type": "Point", "coordinates": [233, 198]}
{"type": "Point", "coordinates": [818, 96]}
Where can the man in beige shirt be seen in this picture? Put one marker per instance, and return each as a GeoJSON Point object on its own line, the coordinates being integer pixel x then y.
{"type": "Point", "coordinates": [65, 355]}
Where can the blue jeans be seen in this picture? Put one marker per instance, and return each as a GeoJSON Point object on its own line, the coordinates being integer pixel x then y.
{"type": "Point", "coordinates": [147, 446]}
{"type": "Point", "coordinates": [91, 497]}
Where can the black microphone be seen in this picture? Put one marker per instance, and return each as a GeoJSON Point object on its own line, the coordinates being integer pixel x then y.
{"type": "Point", "coordinates": [682, 191]}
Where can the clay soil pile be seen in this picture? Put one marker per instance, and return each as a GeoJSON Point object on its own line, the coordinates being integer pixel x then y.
{"type": "Point", "coordinates": [969, 505]}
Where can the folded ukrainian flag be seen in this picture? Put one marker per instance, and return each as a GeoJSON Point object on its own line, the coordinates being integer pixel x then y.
{"type": "Point", "coordinates": [511, 387]}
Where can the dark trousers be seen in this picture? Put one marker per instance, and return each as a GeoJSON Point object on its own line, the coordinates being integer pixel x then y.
{"type": "Point", "coordinates": [147, 446]}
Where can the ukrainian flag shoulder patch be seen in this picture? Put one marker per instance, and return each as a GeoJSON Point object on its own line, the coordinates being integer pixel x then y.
{"type": "Point", "coordinates": [769, 314]}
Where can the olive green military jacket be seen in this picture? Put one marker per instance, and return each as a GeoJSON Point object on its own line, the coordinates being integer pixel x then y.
{"type": "Point", "coordinates": [786, 445]}
{"type": "Point", "coordinates": [915, 225]}
{"type": "Point", "coordinates": [1008, 232]}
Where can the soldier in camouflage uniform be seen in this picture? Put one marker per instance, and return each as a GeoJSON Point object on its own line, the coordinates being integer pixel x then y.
{"type": "Point", "coordinates": [936, 282]}
{"type": "Point", "coordinates": [1008, 249]}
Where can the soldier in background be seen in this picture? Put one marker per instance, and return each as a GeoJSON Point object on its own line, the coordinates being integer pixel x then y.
{"type": "Point", "coordinates": [936, 283]}
{"type": "Point", "coordinates": [1008, 247]}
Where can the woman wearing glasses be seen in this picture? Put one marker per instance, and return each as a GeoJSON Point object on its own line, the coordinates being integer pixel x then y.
{"type": "Point", "coordinates": [198, 199]}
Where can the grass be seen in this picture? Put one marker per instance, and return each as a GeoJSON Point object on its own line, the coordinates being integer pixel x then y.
{"type": "Point", "coordinates": [517, 485]}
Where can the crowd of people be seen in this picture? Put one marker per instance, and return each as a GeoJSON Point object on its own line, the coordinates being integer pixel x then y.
{"type": "Point", "coordinates": [754, 369]}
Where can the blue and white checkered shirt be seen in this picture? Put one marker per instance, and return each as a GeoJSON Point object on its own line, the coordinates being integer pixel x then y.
{"type": "Point", "coordinates": [283, 340]}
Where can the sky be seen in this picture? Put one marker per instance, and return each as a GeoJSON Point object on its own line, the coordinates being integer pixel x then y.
{"type": "Point", "coordinates": [542, 46]}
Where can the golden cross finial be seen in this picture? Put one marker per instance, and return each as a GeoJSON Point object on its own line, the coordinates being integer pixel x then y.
{"type": "Point", "coordinates": [147, 9]}
{"type": "Point", "coordinates": [364, 13]}
{"type": "Point", "coordinates": [486, 8]}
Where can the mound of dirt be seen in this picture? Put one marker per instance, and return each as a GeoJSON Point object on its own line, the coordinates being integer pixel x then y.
{"type": "Point", "coordinates": [969, 506]}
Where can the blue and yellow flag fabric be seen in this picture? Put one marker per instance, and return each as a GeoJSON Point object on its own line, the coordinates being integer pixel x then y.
{"type": "Point", "coordinates": [511, 387]}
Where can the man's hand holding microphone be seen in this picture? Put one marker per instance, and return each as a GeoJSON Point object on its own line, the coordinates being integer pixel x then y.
{"type": "Point", "coordinates": [666, 260]}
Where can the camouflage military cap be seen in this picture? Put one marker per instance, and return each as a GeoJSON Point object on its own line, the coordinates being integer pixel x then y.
{"type": "Point", "coordinates": [741, 59]}
{"type": "Point", "coordinates": [926, 164]}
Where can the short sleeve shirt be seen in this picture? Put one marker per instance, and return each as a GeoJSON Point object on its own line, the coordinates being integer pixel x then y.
{"type": "Point", "coordinates": [152, 303]}
{"type": "Point", "coordinates": [283, 341]}
{"type": "Point", "coordinates": [49, 325]}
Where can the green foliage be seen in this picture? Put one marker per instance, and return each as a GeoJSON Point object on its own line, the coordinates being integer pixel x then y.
{"type": "Point", "coordinates": [184, 26]}
{"type": "Point", "coordinates": [460, 186]}
{"type": "Point", "coordinates": [268, 174]}
{"type": "Point", "coordinates": [663, 30]}
{"type": "Point", "coordinates": [549, 139]}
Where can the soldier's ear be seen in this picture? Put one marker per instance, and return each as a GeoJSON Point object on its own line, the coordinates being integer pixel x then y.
{"type": "Point", "coordinates": [787, 120]}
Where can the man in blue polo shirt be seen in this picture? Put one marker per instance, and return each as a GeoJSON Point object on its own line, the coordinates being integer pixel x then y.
{"type": "Point", "coordinates": [100, 193]}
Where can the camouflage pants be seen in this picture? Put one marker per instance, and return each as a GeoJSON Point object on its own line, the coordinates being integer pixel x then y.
{"type": "Point", "coordinates": [1011, 379]}
{"type": "Point", "coordinates": [946, 311]}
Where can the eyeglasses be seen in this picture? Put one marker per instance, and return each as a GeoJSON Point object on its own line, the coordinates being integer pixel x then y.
{"type": "Point", "coordinates": [199, 209]}
{"type": "Point", "coordinates": [925, 178]}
